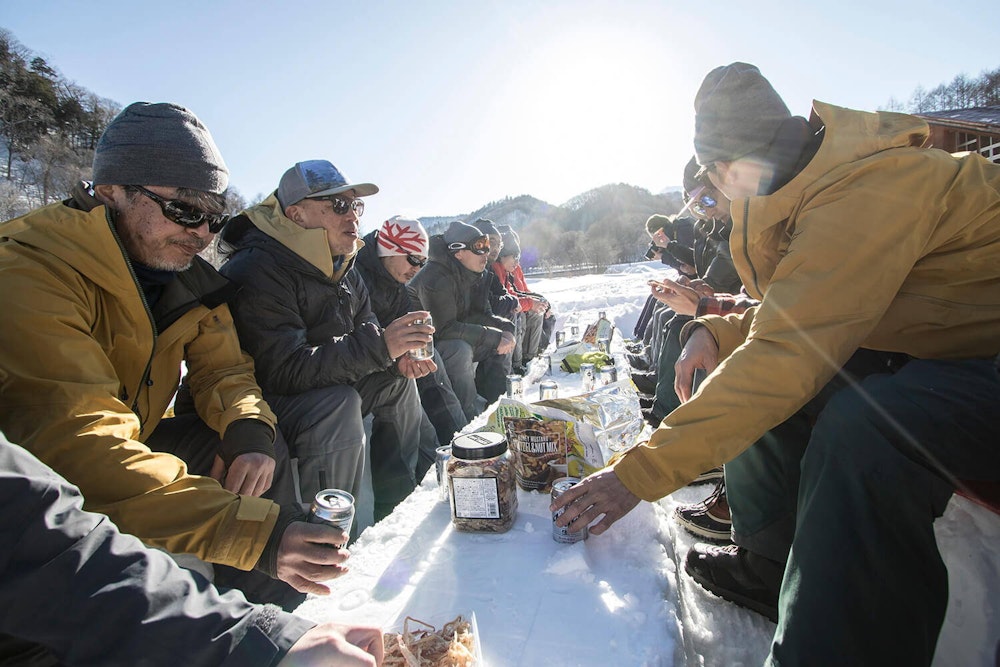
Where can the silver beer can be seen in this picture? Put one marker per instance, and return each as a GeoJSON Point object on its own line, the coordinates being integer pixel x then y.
{"type": "Point", "coordinates": [574, 331]}
{"type": "Point", "coordinates": [515, 386]}
{"type": "Point", "coordinates": [548, 389]}
{"type": "Point", "coordinates": [334, 508]}
{"type": "Point", "coordinates": [560, 338]}
{"type": "Point", "coordinates": [588, 372]}
{"type": "Point", "coordinates": [604, 345]}
{"type": "Point", "coordinates": [442, 454]}
{"type": "Point", "coordinates": [563, 535]}
{"type": "Point", "coordinates": [609, 374]}
{"type": "Point", "coordinates": [427, 351]}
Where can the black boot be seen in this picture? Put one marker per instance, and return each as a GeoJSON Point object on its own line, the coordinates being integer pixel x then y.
{"type": "Point", "coordinates": [737, 575]}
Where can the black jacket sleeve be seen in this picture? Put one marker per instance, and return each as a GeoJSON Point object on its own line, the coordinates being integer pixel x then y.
{"type": "Point", "coordinates": [74, 589]}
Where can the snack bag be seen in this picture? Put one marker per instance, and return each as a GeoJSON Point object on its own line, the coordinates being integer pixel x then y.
{"type": "Point", "coordinates": [583, 453]}
{"type": "Point", "coordinates": [536, 445]}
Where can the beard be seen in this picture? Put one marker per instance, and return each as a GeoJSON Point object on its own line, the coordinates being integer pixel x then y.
{"type": "Point", "coordinates": [144, 247]}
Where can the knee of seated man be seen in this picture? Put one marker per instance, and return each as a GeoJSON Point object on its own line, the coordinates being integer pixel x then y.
{"type": "Point", "coordinates": [853, 428]}
{"type": "Point", "coordinates": [332, 421]}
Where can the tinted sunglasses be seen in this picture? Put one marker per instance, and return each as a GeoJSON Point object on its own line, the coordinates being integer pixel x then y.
{"type": "Point", "coordinates": [480, 246]}
{"type": "Point", "coordinates": [416, 261]}
{"type": "Point", "coordinates": [184, 214]}
{"type": "Point", "coordinates": [699, 203]}
{"type": "Point", "coordinates": [341, 205]}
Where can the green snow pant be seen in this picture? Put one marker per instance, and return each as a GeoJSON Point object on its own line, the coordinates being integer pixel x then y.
{"type": "Point", "coordinates": [864, 583]}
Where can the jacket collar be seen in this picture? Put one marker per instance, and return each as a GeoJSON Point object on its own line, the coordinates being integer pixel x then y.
{"type": "Point", "coordinates": [309, 244]}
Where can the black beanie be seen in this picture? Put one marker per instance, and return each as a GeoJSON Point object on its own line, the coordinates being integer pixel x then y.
{"type": "Point", "coordinates": [459, 232]}
{"type": "Point", "coordinates": [159, 144]}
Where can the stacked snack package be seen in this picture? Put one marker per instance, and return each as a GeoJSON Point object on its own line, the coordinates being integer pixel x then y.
{"type": "Point", "coordinates": [594, 425]}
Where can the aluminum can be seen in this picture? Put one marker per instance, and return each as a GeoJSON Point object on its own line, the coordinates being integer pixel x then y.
{"type": "Point", "coordinates": [548, 389]}
{"type": "Point", "coordinates": [334, 508]}
{"type": "Point", "coordinates": [601, 315]}
{"type": "Point", "coordinates": [563, 535]}
{"type": "Point", "coordinates": [609, 374]}
{"type": "Point", "coordinates": [574, 331]}
{"type": "Point", "coordinates": [427, 351]}
{"type": "Point", "coordinates": [604, 345]}
{"type": "Point", "coordinates": [515, 386]}
{"type": "Point", "coordinates": [588, 372]}
{"type": "Point", "coordinates": [560, 338]}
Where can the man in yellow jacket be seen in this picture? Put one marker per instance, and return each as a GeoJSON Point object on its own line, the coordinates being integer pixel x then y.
{"type": "Point", "coordinates": [849, 404]}
{"type": "Point", "coordinates": [103, 298]}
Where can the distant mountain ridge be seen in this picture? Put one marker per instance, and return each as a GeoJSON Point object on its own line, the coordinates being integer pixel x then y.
{"type": "Point", "coordinates": [601, 226]}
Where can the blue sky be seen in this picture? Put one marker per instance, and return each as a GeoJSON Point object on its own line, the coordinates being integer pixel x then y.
{"type": "Point", "coordinates": [448, 105]}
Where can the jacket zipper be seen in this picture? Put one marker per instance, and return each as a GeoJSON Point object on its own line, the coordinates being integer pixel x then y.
{"type": "Point", "coordinates": [746, 244]}
{"type": "Point", "coordinates": [149, 314]}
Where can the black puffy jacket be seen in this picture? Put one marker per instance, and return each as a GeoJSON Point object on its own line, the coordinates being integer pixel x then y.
{"type": "Point", "coordinates": [389, 298]}
{"type": "Point", "coordinates": [303, 329]}
{"type": "Point", "coordinates": [458, 301]}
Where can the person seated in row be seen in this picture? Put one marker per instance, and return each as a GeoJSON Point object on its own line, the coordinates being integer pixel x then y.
{"type": "Point", "coordinates": [104, 297]}
{"type": "Point", "coordinates": [65, 571]}
{"type": "Point", "coordinates": [392, 255]}
{"type": "Point", "coordinates": [853, 400]}
{"type": "Point", "coordinates": [709, 519]}
{"type": "Point", "coordinates": [502, 302]}
{"type": "Point", "coordinates": [671, 241]}
{"type": "Point", "coordinates": [322, 357]}
{"type": "Point", "coordinates": [476, 344]}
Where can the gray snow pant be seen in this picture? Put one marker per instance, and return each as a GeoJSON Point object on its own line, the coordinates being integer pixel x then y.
{"type": "Point", "coordinates": [328, 436]}
{"type": "Point", "coordinates": [488, 380]}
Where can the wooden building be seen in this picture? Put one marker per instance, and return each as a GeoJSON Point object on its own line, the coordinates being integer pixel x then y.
{"type": "Point", "coordinates": [976, 129]}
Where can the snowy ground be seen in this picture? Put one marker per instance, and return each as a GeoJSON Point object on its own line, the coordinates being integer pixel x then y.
{"type": "Point", "coordinates": [622, 598]}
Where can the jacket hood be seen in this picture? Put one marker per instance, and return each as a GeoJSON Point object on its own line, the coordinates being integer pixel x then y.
{"type": "Point", "coordinates": [309, 244]}
{"type": "Point", "coordinates": [849, 138]}
{"type": "Point", "coordinates": [80, 233]}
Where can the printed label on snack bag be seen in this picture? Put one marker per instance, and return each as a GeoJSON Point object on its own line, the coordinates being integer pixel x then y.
{"type": "Point", "coordinates": [476, 498]}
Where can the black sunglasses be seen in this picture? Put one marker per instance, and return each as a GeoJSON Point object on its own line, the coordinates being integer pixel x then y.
{"type": "Point", "coordinates": [416, 261]}
{"type": "Point", "coordinates": [341, 205]}
{"type": "Point", "coordinates": [184, 214]}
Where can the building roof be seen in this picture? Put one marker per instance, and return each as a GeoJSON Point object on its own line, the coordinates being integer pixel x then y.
{"type": "Point", "coordinates": [986, 118]}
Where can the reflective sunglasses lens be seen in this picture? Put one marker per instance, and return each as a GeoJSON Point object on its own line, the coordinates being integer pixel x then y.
{"type": "Point", "coordinates": [416, 261]}
{"type": "Point", "coordinates": [708, 202]}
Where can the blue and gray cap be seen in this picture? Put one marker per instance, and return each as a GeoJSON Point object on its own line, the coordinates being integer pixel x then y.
{"type": "Point", "coordinates": [317, 178]}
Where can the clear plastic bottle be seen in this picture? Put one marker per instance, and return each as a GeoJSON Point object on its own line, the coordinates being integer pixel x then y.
{"type": "Point", "coordinates": [427, 351]}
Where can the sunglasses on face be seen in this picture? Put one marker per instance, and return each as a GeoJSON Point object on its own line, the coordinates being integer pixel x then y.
{"type": "Point", "coordinates": [341, 205]}
{"type": "Point", "coordinates": [480, 246]}
{"type": "Point", "coordinates": [699, 202]}
{"type": "Point", "coordinates": [184, 214]}
{"type": "Point", "coordinates": [416, 261]}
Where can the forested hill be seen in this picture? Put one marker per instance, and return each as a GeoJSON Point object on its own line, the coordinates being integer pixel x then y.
{"type": "Point", "coordinates": [602, 226]}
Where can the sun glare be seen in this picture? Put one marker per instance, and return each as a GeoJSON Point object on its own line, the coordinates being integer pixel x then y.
{"type": "Point", "coordinates": [592, 106]}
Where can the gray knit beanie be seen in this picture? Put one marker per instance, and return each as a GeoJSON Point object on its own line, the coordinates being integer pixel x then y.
{"type": "Point", "coordinates": [736, 112]}
{"type": "Point", "coordinates": [159, 144]}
